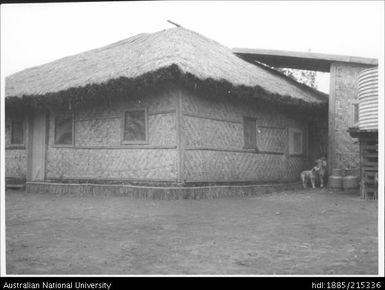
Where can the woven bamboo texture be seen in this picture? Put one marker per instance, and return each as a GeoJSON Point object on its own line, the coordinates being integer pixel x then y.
{"type": "Point", "coordinates": [227, 108]}
{"type": "Point", "coordinates": [206, 137]}
{"type": "Point", "coordinates": [63, 163]}
{"type": "Point", "coordinates": [16, 163]}
{"type": "Point", "coordinates": [234, 166]}
{"type": "Point", "coordinates": [15, 159]}
{"type": "Point", "coordinates": [201, 132]}
{"type": "Point", "coordinates": [107, 132]}
{"type": "Point", "coordinates": [272, 139]}
{"type": "Point", "coordinates": [99, 124]}
{"type": "Point", "coordinates": [155, 101]}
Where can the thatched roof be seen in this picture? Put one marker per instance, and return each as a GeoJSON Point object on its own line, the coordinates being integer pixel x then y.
{"type": "Point", "coordinates": [193, 54]}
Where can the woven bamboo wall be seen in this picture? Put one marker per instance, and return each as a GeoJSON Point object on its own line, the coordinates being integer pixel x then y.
{"type": "Point", "coordinates": [15, 157]}
{"type": "Point", "coordinates": [202, 133]}
{"type": "Point", "coordinates": [272, 139]}
{"type": "Point", "coordinates": [125, 164]}
{"type": "Point", "coordinates": [15, 163]}
{"type": "Point", "coordinates": [206, 165]}
{"type": "Point", "coordinates": [107, 131]}
{"type": "Point", "coordinates": [214, 141]}
{"type": "Point", "coordinates": [98, 153]}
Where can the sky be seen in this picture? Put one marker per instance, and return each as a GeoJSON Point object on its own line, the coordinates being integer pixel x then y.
{"type": "Point", "coordinates": [34, 34]}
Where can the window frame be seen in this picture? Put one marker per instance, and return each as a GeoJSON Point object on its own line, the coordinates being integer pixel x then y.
{"type": "Point", "coordinates": [72, 115]}
{"type": "Point", "coordinates": [292, 131]}
{"type": "Point", "coordinates": [244, 131]}
{"type": "Point", "coordinates": [123, 122]}
{"type": "Point", "coordinates": [19, 145]}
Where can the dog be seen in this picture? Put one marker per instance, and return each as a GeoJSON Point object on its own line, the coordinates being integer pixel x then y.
{"type": "Point", "coordinates": [309, 175]}
{"type": "Point", "coordinates": [321, 164]}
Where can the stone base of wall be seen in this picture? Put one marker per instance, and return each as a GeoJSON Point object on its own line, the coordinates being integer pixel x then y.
{"type": "Point", "coordinates": [147, 192]}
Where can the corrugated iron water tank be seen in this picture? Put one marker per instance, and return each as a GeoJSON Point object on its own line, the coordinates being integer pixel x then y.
{"type": "Point", "coordinates": [368, 99]}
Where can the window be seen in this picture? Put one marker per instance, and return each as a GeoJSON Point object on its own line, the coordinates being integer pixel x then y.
{"type": "Point", "coordinates": [17, 132]}
{"type": "Point", "coordinates": [355, 113]}
{"type": "Point", "coordinates": [135, 127]}
{"type": "Point", "coordinates": [63, 130]}
{"type": "Point", "coordinates": [295, 141]}
{"type": "Point", "coordinates": [249, 133]}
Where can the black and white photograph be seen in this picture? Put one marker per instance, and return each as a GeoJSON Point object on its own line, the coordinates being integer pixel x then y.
{"type": "Point", "coordinates": [192, 138]}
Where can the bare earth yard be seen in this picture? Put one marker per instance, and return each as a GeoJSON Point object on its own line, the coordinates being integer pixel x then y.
{"type": "Point", "coordinates": [302, 232]}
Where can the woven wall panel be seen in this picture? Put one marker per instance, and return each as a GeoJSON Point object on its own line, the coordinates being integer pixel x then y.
{"type": "Point", "coordinates": [216, 165]}
{"type": "Point", "coordinates": [98, 132]}
{"type": "Point", "coordinates": [107, 132]}
{"type": "Point", "coordinates": [15, 163]}
{"type": "Point", "coordinates": [230, 108]}
{"type": "Point", "coordinates": [205, 133]}
{"type": "Point", "coordinates": [162, 129]}
{"type": "Point", "coordinates": [223, 166]}
{"type": "Point", "coordinates": [15, 160]}
{"type": "Point", "coordinates": [207, 105]}
{"type": "Point", "coordinates": [96, 125]}
{"type": "Point", "coordinates": [105, 163]}
{"type": "Point", "coordinates": [230, 166]}
{"type": "Point", "coordinates": [272, 139]}
{"type": "Point", "coordinates": [155, 102]}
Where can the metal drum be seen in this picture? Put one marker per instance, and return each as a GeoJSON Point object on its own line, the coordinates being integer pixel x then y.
{"type": "Point", "coordinates": [335, 182]}
{"type": "Point", "coordinates": [350, 182]}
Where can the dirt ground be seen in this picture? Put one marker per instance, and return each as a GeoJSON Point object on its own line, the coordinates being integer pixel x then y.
{"type": "Point", "coordinates": [302, 232]}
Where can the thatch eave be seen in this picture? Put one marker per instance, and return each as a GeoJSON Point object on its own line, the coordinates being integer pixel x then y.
{"type": "Point", "coordinates": [171, 75]}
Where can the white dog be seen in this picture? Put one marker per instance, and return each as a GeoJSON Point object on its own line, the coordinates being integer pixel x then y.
{"type": "Point", "coordinates": [309, 175]}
